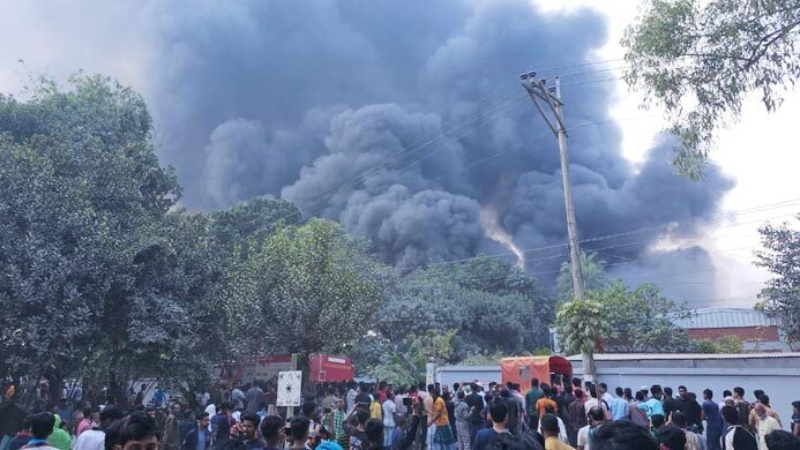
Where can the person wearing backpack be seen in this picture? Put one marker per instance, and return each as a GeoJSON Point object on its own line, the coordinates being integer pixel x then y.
{"type": "Point", "coordinates": [743, 408]}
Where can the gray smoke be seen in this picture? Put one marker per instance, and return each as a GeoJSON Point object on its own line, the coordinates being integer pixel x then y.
{"type": "Point", "coordinates": [398, 118]}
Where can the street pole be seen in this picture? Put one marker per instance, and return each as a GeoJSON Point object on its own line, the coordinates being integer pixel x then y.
{"type": "Point", "coordinates": [551, 97]}
{"type": "Point", "coordinates": [572, 228]}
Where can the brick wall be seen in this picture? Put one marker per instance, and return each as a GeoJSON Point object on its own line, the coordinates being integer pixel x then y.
{"type": "Point", "coordinates": [767, 334]}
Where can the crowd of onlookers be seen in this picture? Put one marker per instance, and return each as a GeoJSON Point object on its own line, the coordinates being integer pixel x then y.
{"type": "Point", "coordinates": [561, 415]}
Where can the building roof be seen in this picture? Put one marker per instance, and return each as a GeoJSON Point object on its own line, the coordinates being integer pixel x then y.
{"type": "Point", "coordinates": [683, 356]}
{"type": "Point", "coordinates": [727, 318]}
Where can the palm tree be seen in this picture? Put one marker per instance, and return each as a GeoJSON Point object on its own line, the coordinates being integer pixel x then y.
{"type": "Point", "coordinates": [594, 277]}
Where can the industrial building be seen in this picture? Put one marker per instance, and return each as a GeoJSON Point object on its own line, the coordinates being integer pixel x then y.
{"type": "Point", "coordinates": [759, 331]}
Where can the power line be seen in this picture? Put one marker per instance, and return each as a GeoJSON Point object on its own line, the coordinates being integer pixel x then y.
{"type": "Point", "coordinates": [728, 215]}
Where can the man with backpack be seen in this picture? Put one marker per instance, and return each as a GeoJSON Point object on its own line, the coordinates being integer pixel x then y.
{"type": "Point", "coordinates": [743, 408]}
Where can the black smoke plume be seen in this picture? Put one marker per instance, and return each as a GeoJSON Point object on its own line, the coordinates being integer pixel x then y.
{"type": "Point", "coordinates": [401, 119]}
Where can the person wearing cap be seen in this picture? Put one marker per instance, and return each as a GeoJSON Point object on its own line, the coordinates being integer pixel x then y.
{"type": "Point", "coordinates": [796, 418]}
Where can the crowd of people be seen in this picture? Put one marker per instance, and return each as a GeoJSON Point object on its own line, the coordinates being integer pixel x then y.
{"type": "Point", "coordinates": [562, 415]}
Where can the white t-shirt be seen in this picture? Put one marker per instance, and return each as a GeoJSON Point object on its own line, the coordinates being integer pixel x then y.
{"type": "Point", "coordinates": [583, 438]}
{"type": "Point", "coordinates": [90, 440]}
{"type": "Point", "coordinates": [562, 431]}
{"type": "Point", "coordinates": [212, 411]}
{"type": "Point", "coordinates": [389, 408]}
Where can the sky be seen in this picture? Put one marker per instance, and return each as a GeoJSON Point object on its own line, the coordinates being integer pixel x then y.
{"type": "Point", "coordinates": [756, 152]}
{"type": "Point", "coordinates": [198, 66]}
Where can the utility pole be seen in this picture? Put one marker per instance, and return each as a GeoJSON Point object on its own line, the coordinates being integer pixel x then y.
{"type": "Point", "coordinates": [553, 115]}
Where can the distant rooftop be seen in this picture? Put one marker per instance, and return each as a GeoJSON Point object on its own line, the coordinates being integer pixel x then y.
{"type": "Point", "coordinates": [727, 318]}
{"type": "Point", "coordinates": [683, 356]}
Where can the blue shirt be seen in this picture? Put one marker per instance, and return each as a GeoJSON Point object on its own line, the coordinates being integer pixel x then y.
{"type": "Point", "coordinates": [654, 407]}
{"type": "Point", "coordinates": [713, 418]}
{"type": "Point", "coordinates": [485, 439]}
{"type": "Point", "coordinates": [619, 408]}
{"type": "Point", "coordinates": [202, 439]}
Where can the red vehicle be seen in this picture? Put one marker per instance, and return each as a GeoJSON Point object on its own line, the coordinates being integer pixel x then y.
{"type": "Point", "coordinates": [266, 367]}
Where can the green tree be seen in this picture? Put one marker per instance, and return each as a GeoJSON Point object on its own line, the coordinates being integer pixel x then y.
{"type": "Point", "coordinates": [307, 289]}
{"type": "Point", "coordinates": [581, 325]}
{"type": "Point", "coordinates": [781, 295]}
{"type": "Point", "coordinates": [95, 268]}
{"type": "Point", "coordinates": [252, 221]}
{"type": "Point", "coordinates": [727, 344]}
{"type": "Point", "coordinates": [641, 320]}
{"type": "Point", "coordinates": [699, 59]}
{"type": "Point", "coordinates": [594, 276]}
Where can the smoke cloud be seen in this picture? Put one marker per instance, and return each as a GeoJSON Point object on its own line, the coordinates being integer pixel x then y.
{"type": "Point", "coordinates": [401, 119]}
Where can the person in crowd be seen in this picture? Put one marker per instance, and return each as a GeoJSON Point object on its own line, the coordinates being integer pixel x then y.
{"type": "Point", "coordinates": [60, 437]}
{"type": "Point", "coordinates": [693, 440]}
{"type": "Point", "coordinates": [298, 431]}
{"type": "Point", "coordinates": [221, 425]}
{"type": "Point", "coordinates": [736, 437]}
{"type": "Point", "coordinates": [594, 401]}
{"type": "Point", "coordinates": [623, 435]}
{"type": "Point", "coordinates": [532, 398]}
{"type": "Point", "coordinates": [763, 399]}
{"type": "Point", "coordinates": [462, 414]}
{"type": "Point", "coordinates": [545, 401]}
{"type": "Point", "coordinates": [42, 425]}
{"type": "Point", "coordinates": [714, 423]}
{"type": "Point", "coordinates": [782, 440]}
{"type": "Point", "coordinates": [389, 412]}
{"type": "Point", "coordinates": [199, 438]}
{"type": "Point", "coordinates": [443, 438]}
{"type": "Point", "coordinates": [23, 436]}
{"type": "Point", "coordinates": [764, 424]}
{"type": "Point", "coordinates": [86, 423]}
{"type": "Point", "coordinates": [796, 418]}
{"type": "Point", "coordinates": [743, 407]}
{"type": "Point", "coordinates": [476, 406]}
{"type": "Point", "coordinates": [272, 432]}
{"type": "Point", "coordinates": [620, 409]}
{"type": "Point", "coordinates": [586, 435]}
{"type": "Point", "coordinates": [551, 431]}
{"type": "Point", "coordinates": [562, 428]}
{"type": "Point", "coordinates": [94, 439]}
{"type": "Point", "coordinates": [576, 417]}
{"type": "Point", "coordinates": [672, 438]}
{"type": "Point", "coordinates": [250, 423]}
{"type": "Point", "coordinates": [486, 438]}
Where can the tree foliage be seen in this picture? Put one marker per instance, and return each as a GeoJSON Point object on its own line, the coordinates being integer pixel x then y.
{"type": "Point", "coordinates": [581, 325]}
{"type": "Point", "coordinates": [781, 295]}
{"type": "Point", "coordinates": [492, 306]}
{"type": "Point", "coordinates": [307, 289]}
{"type": "Point", "coordinates": [642, 320]}
{"type": "Point", "coordinates": [727, 344]}
{"type": "Point", "coordinates": [699, 59]}
{"type": "Point", "coordinates": [620, 320]}
{"type": "Point", "coordinates": [594, 276]}
{"type": "Point", "coordinates": [94, 265]}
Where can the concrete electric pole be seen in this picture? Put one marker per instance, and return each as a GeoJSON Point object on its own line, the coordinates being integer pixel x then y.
{"type": "Point", "coordinates": [553, 114]}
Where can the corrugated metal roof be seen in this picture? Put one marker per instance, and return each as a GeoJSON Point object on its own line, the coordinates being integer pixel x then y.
{"type": "Point", "coordinates": [727, 318]}
{"type": "Point", "coordinates": [469, 368]}
{"type": "Point", "coordinates": [682, 356]}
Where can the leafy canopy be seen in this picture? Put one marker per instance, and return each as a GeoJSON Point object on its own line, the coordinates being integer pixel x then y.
{"type": "Point", "coordinates": [781, 256]}
{"type": "Point", "coordinates": [699, 59]}
{"type": "Point", "coordinates": [620, 320]}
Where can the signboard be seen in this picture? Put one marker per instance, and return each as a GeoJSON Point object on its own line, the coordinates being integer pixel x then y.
{"type": "Point", "coordinates": [289, 388]}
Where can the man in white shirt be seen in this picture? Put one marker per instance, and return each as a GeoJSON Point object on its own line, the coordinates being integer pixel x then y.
{"type": "Point", "coordinates": [602, 389]}
{"type": "Point", "coordinates": [597, 418]}
{"type": "Point", "coordinates": [95, 438]}
{"type": "Point", "coordinates": [593, 401]}
{"type": "Point", "coordinates": [389, 410]}
{"type": "Point", "coordinates": [764, 424]}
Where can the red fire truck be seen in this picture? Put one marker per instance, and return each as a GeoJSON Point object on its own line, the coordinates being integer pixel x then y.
{"type": "Point", "coordinates": [266, 367]}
